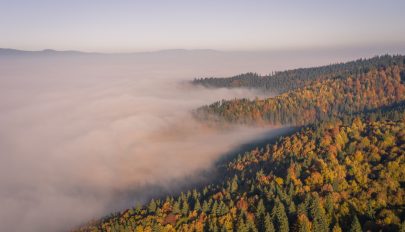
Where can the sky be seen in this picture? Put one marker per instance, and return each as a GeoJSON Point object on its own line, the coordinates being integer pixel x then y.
{"type": "Point", "coordinates": [236, 25]}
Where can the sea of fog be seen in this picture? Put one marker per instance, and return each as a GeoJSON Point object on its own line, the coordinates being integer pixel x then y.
{"type": "Point", "coordinates": [84, 135]}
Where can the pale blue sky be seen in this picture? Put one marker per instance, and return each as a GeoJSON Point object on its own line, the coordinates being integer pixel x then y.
{"type": "Point", "coordinates": [126, 26]}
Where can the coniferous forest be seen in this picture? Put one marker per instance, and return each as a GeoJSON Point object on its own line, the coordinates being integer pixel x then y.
{"type": "Point", "coordinates": [343, 169]}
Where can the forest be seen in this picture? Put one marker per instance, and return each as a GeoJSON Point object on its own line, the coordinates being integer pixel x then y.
{"type": "Point", "coordinates": [317, 101]}
{"type": "Point", "coordinates": [282, 81]}
{"type": "Point", "coordinates": [342, 170]}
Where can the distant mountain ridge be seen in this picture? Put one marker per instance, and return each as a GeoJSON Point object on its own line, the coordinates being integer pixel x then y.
{"type": "Point", "coordinates": [12, 51]}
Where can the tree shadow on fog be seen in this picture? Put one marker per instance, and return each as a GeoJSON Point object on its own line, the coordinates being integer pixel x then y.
{"type": "Point", "coordinates": [270, 136]}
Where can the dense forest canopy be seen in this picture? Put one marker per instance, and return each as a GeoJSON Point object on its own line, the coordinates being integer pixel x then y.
{"type": "Point", "coordinates": [342, 170]}
{"type": "Point", "coordinates": [319, 100]}
{"type": "Point", "coordinates": [280, 82]}
{"type": "Point", "coordinates": [338, 175]}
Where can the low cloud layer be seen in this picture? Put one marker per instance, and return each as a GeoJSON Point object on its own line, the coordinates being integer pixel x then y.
{"type": "Point", "coordinates": [81, 136]}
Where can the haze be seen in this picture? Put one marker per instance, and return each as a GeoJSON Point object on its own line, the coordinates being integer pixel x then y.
{"type": "Point", "coordinates": [82, 135]}
{"type": "Point", "coordinates": [129, 26]}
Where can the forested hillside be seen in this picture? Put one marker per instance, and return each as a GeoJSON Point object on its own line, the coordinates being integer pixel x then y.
{"type": "Point", "coordinates": [339, 175]}
{"type": "Point", "coordinates": [320, 100]}
{"type": "Point", "coordinates": [343, 170]}
{"type": "Point", "coordinates": [280, 82]}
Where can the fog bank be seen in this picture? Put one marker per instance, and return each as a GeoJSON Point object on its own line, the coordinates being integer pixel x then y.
{"type": "Point", "coordinates": [80, 132]}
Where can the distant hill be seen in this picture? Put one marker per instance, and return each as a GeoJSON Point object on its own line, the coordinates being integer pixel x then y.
{"type": "Point", "coordinates": [13, 52]}
{"type": "Point", "coordinates": [10, 51]}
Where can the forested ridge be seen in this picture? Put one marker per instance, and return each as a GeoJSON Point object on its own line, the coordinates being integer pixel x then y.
{"type": "Point", "coordinates": [343, 170]}
{"type": "Point", "coordinates": [282, 81]}
{"type": "Point", "coordinates": [317, 101]}
{"type": "Point", "coordinates": [339, 175]}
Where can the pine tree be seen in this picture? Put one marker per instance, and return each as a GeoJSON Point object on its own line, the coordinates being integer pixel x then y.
{"type": "Point", "coordinates": [224, 208]}
{"type": "Point", "coordinates": [214, 209]}
{"type": "Point", "coordinates": [268, 224]}
{"type": "Point", "coordinates": [292, 209]}
{"type": "Point", "coordinates": [152, 206]}
{"type": "Point", "coordinates": [241, 227]}
{"type": "Point", "coordinates": [355, 227]}
{"type": "Point", "coordinates": [205, 207]}
{"type": "Point", "coordinates": [318, 216]}
{"type": "Point", "coordinates": [197, 205]}
{"type": "Point", "coordinates": [234, 184]}
{"type": "Point", "coordinates": [185, 207]}
{"type": "Point", "coordinates": [280, 217]}
{"type": "Point", "coordinates": [251, 227]}
{"type": "Point", "coordinates": [329, 208]}
{"type": "Point", "coordinates": [213, 227]}
{"type": "Point", "coordinates": [303, 223]}
{"type": "Point", "coordinates": [176, 207]}
{"type": "Point", "coordinates": [260, 209]}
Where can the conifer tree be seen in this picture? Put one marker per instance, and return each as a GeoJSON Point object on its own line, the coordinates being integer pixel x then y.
{"type": "Point", "coordinates": [176, 207]}
{"type": "Point", "coordinates": [280, 218]}
{"type": "Point", "coordinates": [197, 205]}
{"type": "Point", "coordinates": [205, 207]}
{"type": "Point", "coordinates": [234, 184]}
{"type": "Point", "coordinates": [152, 206]}
{"type": "Point", "coordinates": [185, 208]}
{"type": "Point", "coordinates": [303, 223]}
{"type": "Point", "coordinates": [318, 216]}
{"type": "Point", "coordinates": [260, 209]}
{"type": "Point", "coordinates": [355, 226]}
{"type": "Point", "coordinates": [268, 224]}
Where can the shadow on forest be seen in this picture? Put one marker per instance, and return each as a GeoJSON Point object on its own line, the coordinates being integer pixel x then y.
{"type": "Point", "coordinates": [141, 194]}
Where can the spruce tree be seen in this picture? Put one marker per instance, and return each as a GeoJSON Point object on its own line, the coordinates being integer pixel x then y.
{"type": "Point", "coordinates": [152, 206]}
{"type": "Point", "coordinates": [355, 226]}
{"type": "Point", "coordinates": [185, 208]}
{"type": "Point", "coordinates": [205, 207]}
{"type": "Point", "coordinates": [303, 223]}
{"type": "Point", "coordinates": [176, 207]}
{"type": "Point", "coordinates": [260, 209]}
{"type": "Point", "coordinates": [280, 218]}
{"type": "Point", "coordinates": [197, 205]}
{"type": "Point", "coordinates": [318, 216]}
{"type": "Point", "coordinates": [241, 227]}
{"type": "Point", "coordinates": [234, 184]}
{"type": "Point", "coordinates": [268, 224]}
{"type": "Point", "coordinates": [214, 209]}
